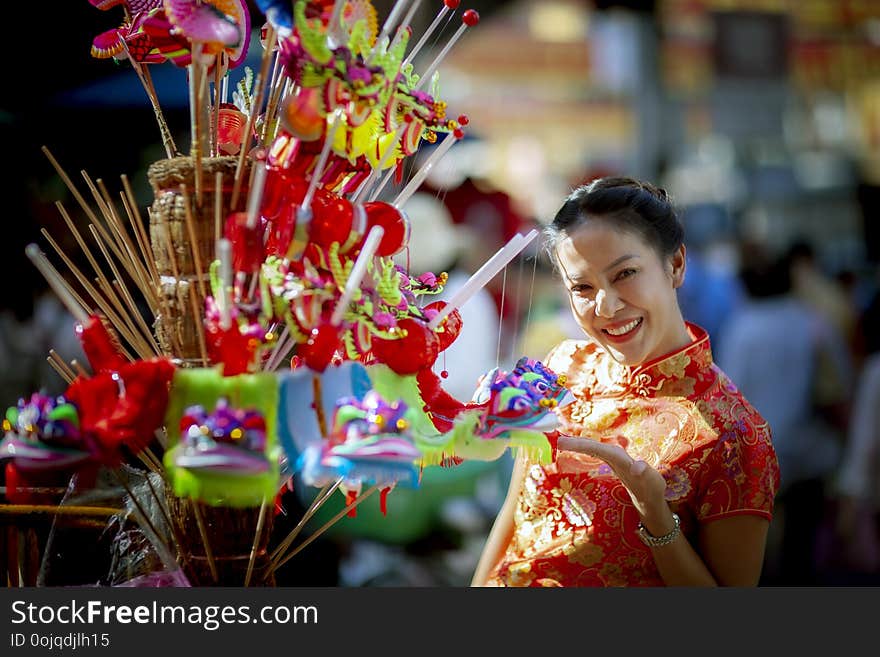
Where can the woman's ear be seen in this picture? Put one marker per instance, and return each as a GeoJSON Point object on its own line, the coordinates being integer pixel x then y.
{"type": "Point", "coordinates": [679, 264]}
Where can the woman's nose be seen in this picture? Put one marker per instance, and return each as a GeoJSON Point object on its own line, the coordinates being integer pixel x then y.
{"type": "Point", "coordinates": [607, 303]}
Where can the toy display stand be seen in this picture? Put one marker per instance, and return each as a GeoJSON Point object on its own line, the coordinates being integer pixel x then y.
{"type": "Point", "coordinates": [216, 543]}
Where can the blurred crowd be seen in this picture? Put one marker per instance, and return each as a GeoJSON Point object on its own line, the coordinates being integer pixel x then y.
{"type": "Point", "coordinates": [799, 345]}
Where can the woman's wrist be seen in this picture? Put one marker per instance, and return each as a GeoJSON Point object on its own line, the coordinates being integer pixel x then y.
{"type": "Point", "coordinates": [659, 520]}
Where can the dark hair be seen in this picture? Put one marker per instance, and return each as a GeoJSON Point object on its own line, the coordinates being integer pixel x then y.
{"type": "Point", "coordinates": [765, 277]}
{"type": "Point", "coordinates": [800, 249]}
{"type": "Point", "coordinates": [625, 203]}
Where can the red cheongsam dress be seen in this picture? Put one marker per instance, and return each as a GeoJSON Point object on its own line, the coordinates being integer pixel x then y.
{"type": "Point", "coordinates": [575, 524]}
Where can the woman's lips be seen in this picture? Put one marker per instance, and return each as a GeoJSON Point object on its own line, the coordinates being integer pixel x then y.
{"type": "Point", "coordinates": [623, 331]}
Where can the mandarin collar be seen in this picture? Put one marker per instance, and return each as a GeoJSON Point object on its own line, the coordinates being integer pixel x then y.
{"type": "Point", "coordinates": [664, 375]}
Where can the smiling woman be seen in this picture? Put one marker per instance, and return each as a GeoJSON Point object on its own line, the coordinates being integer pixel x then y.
{"type": "Point", "coordinates": [622, 289]}
{"type": "Point", "coordinates": [667, 474]}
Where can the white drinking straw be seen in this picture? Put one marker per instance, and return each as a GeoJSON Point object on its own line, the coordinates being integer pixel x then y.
{"type": "Point", "coordinates": [56, 282]}
{"type": "Point", "coordinates": [483, 275]}
{"type": "Point", "coordinates": [427, 35]}
{"type": "Point", "coordinates": [439, 58]}
{"type": "Point", "coordinates": [404, 24]}
{"type": "Point", "coordinates": [357, 273]}
{"type": "Point", "coordinates": [417, 179]}
{"type": "Point", "coordinates": [333, 40]}
{"type": "Point", "coordinates": [255, 196]}
{"type": "Point", "coordinates": [396, 10]}
{"type": "Point", "coordinates": [224, 254]}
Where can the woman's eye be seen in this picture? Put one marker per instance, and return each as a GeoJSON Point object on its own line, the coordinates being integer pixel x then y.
{"type": "Point", "coordinates": [581, 290]}
{"type": "Point", "coordinates": [626, 273]}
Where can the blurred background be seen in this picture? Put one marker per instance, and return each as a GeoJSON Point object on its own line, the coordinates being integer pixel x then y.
{"type": "Point", "coordinates": [760, 117]}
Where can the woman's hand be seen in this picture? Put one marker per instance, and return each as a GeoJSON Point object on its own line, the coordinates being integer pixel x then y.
{"type": "Point", "coordinates": [645, 485]}
{"type": "Point", "coordinates": [731, 549]}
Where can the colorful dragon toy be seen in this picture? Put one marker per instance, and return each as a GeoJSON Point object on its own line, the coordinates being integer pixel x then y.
{"type": "Point", "coordinates": [44, 447]}
{"type": "Point", "coordinates": [369, 444]}
{"type": "Point", "coordinates": [510, 409]}
{"type": "Point", "coordinates": [44, 433]}
{"type": "Point", "coordinates": [227, 457]}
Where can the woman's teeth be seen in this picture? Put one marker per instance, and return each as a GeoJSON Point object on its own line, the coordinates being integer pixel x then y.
{"type": "Point", "coordinates": [626, 328]}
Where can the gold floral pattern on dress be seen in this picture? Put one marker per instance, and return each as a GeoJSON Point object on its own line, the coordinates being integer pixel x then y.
{"type": "Point", "coordinates": [643, 384]}
{"type": "Point", "coordinates": [608, 373]}
{"type": "Point", "coordinates": [533, 536]}
{"type": "Point", "coordinates": [584, 554]}
{"type": "Point", "coordinates": [674, 367]}
{"type": "Point", "coordinates": [548, 582]}
{"type": "Point", "coordinates": [599, 414]}
{"type": "Point", "coordinates": [536, 476]}
{"type": "Point", "coordinates": [574, 520]}
{"type": "Point", "coordinates": [519, 574]}
{"type": "Point", "coordinates": [612, 517]}
{"type": "Point", "coordinates": [683, 387]}
{"type": "Point", "coordinates": [611, 574]}
{"type": "Point", "coordinates": [577, 411]}
{"type": "Point", "coordinates": [702, 358]}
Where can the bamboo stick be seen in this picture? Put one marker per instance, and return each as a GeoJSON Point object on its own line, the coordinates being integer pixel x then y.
{"type": "Point", "coordinates": [143, 277]}
{"type": "Point", "coordinates": [215, 127]}
{"type": "Point", "coordinates": [146, 79]}
{"type": "Point", "coordinates": [80, 370]}
{"type": "Point", "coordinates": [150, 343]}
{"type": "Point", "coordinates": [56, 282]}
{"type": "Point", "coordinates": [121, 320]}
{"type": "Point", "coordinates": [194, 245]}
{"type": "Point", "coordinates": [63, 365]}
{"type": "Point", "coordinates": [100, 300]}
{"type": "Point", "coordinates": [323, 528]}
{"type": "Point", "coordinates": [195, 87]}
{"type": "Point", "coordinates": [218, 206]}
{"type": "Point", "coordinates": [140, 231]}
{"type": "Point", "coordinates": [55, 510]}
{"type": "Point", "coordinates": [319, 499]}
{"type": "Point", "coordinates": [274, 93]}
{"type": "Point", "coordinates": [63, 374]}
{"type": "Point", "coordinates": [73, 190]}
{"type": "Point", "coordinates": [209, 553]}
{"type": "Point", "coordinates": [259, 91]}
{"type": "Point", "coordinates": [111, 295]}
{"type": "Point", "coordinates": [153, 458]}
{"type": "Point", "coordinates": [261, 520]}
{"type": "Point", "coordinates": [69, 289]}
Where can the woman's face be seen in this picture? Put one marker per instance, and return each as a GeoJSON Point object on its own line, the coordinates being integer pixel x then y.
{"type": "Point", "coordinates": [622, 293]}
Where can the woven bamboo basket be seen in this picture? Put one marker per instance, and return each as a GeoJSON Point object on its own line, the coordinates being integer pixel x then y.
{"type": "Point", "coordinates": [175, 327]}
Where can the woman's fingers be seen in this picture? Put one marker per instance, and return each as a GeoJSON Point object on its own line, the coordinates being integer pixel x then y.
{"type": "Point", "coordinates": [613, 455]}
{"type": "Point", "coordinates": [642, 482]}
{"type": "Point", "coordinates": [638, 468]}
